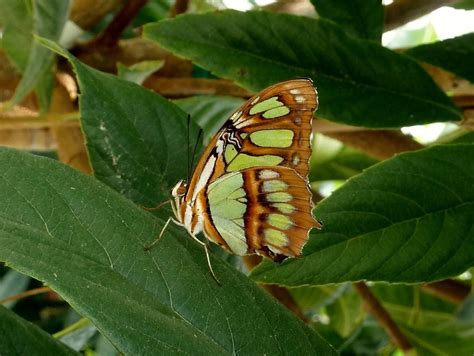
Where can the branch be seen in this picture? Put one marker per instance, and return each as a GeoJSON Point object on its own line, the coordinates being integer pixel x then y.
{"type": "Point", "coordinates": [280, 293]}
{"type": "Point", "coordinates": [373, 306]}
{"type": "Point", "coordinates": [28, 293]}
{"type": "Point", "coordinates": [380, 144]}
{"type": "Point", "coordinates": [87, 13]}
{"type": "Point", "coordinates": [180, 7]}
{"type": "Point", "coordinates": [110, 36]}
{"type": "Point", "coordinates": [451, 290]}
{"type": "Point", "coordinates": [184, 87]}
{"type": "Point", "coordinates": [401, 12]}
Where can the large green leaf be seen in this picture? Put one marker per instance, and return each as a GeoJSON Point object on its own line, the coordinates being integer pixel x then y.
{"type": "Point", "coordinates": [359, 82]}
{"type": "Point", "coordinates": [454, 55]}
{"type": "Point", "coordinates": [359, 18]}
{"type": "Point", "coordinates": [46, 19]}
{"type": "Point", "coordinates": [407, 219]}
{"type": "Point", "coordinates": [20, 337]}
{"type": "Point", "coordinates": [135, 138]}
{"type": "Point", "coordinates": [86, 242]}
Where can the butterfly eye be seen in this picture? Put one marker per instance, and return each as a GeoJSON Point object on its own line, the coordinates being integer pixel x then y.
{"type": "Point", "coordinates": [181, 189]}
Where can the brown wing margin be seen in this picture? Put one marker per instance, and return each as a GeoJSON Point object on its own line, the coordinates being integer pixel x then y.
{"type": "Point", "coordinates": [278, 217]}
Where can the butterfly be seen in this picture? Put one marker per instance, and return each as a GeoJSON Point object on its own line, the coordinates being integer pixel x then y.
{"type": "Point", "coordinates": [249, 192]}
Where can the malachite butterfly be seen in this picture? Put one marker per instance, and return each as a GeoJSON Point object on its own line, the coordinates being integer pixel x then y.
{"type": "Point", "coordinates": [249, 192]}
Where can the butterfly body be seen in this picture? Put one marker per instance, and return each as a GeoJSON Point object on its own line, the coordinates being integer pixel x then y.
{"type": "Point", "coordinates": [249, 192]}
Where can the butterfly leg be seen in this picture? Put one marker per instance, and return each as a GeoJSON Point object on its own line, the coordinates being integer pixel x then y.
{"type": "Point", "coordinates": [158, 207]}
{"type": "Point", "coordinates": [208, 257]}
{"type": "Point", "coordinates": [155, 241]}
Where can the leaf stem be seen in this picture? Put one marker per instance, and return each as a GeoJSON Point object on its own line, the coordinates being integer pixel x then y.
{"type": "Point", "coordinates": [111, 34]}
{"type": "Point", "coordinates": [81, 323]}
{"type": "Point", "coordinates": [25, 294]}
{"type": "Point", "coordinates": [374, 307]}
{"type": "Point", "coordinates": [180, 7]}
{"type": "Point", "coordinates": [449, 289]}
{"type": "Point", "coordinates": [401, 12]}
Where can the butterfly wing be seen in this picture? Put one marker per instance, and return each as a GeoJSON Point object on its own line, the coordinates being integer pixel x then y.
{"type": "Point", "coordinates": [263, 210]}
{"type": "Point", "coordinates": [272, 129]}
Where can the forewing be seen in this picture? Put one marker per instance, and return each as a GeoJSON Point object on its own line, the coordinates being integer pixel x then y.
{"type": "Point", "coordinates": [273, 128]}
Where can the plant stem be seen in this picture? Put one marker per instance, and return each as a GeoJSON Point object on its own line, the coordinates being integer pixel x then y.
{"type": "Point", "coordinates": [374, 307]}
{"type": "Point", "coordinates": [451, 290]}
{"type": "Point", "coordinates": [180, 7]}
{"type": "Point", "coordinates": [28, 293]}
{"type": "Point", "coordinates": [401, 12]}
{"type": "Point", "coordinates": [110, 36]}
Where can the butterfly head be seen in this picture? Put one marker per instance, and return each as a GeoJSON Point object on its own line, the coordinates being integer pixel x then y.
{"type": "Point", "coordinates": [179, 195]}
{"type": "Point", "coordinates": [179, 190]}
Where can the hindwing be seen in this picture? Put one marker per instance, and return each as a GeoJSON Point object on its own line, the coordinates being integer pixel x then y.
{"type": "Point", "coordinates": [264, 210]}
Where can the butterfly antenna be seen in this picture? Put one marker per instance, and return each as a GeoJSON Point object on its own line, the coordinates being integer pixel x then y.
{"type": "Point", "coordinates": [188, 173]}
{"type": "Point", "coordinates": [194, 152]}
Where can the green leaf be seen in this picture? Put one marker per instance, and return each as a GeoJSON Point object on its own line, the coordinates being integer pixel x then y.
{"type": "Point", "coordinates": [257, 49]}
{"type": "Point", "coordinates": [466, 310]}
{"type": "Point", "coordinates": [48, 17]}
{"type": "Point", "coordinates": [139, 72]}
{"type": "Point", "coordinates": [359, 18]}
{"type": "Point", "coordinates": [209, 111]}
{"type": "Point", "coordinates": [463, 4]}
{"type": "Point", "coordinates": [346, 313]}
{"type": "Point", "coordinates": [315, 297]}
{"type": "Point", "coordinates": [17, 19]}
{"type": "Point", "coordinates": [407, 219]}
{"type": "Point", "coordinates": [86, 242]}
{"type": "Point", "coordinates": [133, 135]}
{"type": "Point", "coordinates": [371, 340]}
{"type": "Point", "coordinates": [454, 55]}
{"type": "Point", "coordinates": [411, 306]}
{"type": "Point", "coordinates": [331, 160]}
{"type": "Point", "coordinates": [446, 339]}
{"type": "Point", "coordinates": [20, 337]}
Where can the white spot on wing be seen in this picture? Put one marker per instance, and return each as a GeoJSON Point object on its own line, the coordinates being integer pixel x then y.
{"type": "Point", "coordinates": [296, 159]}
{"type": "Point", "coordinates": [294, 91]}
{"type": "Point", "coordinates": [268, 174]}
{"type": "Point", "coordinates": [254, 101]}
{"type": "Point", "coordinates": [300, 99]}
